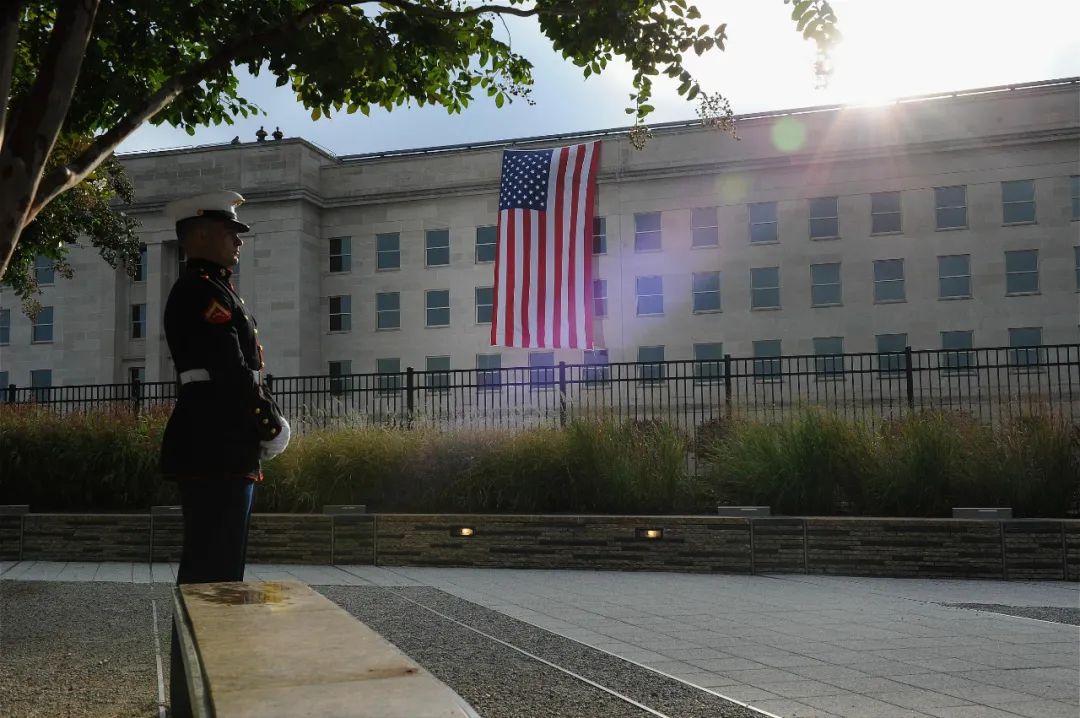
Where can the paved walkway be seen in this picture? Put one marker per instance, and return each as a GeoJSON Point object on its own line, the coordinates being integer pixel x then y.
{"type": "Point", "coordinates": [791, 645]}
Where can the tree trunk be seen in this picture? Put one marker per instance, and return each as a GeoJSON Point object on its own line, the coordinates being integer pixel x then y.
{"type": "Point", "coordinates": [16, 193]}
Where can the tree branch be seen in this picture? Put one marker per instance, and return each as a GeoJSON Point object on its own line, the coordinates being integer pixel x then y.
{"type": "Point", "coordinates": [9, 40]}
{"type": "Point", "coordinates": [63, 178]}
{"type": "Point", "coordinates": [46, 105]}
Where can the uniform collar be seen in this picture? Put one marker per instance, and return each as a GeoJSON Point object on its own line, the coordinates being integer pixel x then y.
{"type": "Point", "coordinates": [205, 266]}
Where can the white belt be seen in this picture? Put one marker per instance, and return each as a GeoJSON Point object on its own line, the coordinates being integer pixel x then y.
{"type": "Point", "coordinates": [193, 375]}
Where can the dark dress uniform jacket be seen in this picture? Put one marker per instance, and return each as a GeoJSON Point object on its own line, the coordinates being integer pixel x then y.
{"type": "Point", "coordinates": [212, 430]}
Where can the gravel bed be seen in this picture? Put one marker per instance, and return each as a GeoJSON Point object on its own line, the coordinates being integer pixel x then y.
{"type": "Point", "coordinates": [1055, 614]}
{"type": "Point", "coordinates": [497, 681]}
{"type": "Point", "coordinates": [413, 629]}
{"type": "Point", "coordinates": [79, 649]}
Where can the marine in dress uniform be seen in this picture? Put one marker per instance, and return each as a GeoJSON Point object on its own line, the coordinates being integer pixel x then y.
{"type": "Point", "coordinates": [224, 421]}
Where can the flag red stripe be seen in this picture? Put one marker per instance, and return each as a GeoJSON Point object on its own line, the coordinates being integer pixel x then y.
{"type": "Point", "coordinates": [496, 290]}
{"type": "Point", "coordinates": [508, 310]}
{"type": "Point", "coordinates": [541, 281]}
{"type": "Point", "coordinates": [526, 249]}
{"type": "Point", "coordinates": [571, 284]}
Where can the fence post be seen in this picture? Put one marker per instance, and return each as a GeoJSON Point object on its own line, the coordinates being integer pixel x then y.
{"type": "Point", "coordinates": [410, 387]}
{"type": "Point", "coordinates": [10, 393]}
{"type": "Point", "coordinates": [136, 395]}
{"type": "Point", "coordinates": [562, 393]}
{"type": "Point", "coordinates": [909, 378]}
{"type": "Point", "coordinates": [727, 385]}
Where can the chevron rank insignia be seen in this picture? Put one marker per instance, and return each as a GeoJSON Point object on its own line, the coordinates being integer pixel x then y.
{"type": "Point", "coordinates": [216, 313]}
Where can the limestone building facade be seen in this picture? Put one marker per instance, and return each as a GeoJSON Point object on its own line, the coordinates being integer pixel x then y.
{"type": "Point", "coordinates": [938, 222]}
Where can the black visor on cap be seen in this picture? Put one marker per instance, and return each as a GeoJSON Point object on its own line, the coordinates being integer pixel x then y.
{"type": "Point", "coordinates": [227, 217]}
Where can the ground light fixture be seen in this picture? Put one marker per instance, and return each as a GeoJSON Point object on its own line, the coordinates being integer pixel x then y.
{"type": "Point", "coordinates": [649, 534]}
{"type": "Point", "coordinates": [462, 531]}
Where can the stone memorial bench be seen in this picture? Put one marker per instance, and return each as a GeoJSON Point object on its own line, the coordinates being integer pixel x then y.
{"type": "Point", "coordinates": [278, 648]}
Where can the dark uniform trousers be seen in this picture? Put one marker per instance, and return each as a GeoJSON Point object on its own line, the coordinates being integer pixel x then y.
{"type": "Point", "coordinates": [217, 512]}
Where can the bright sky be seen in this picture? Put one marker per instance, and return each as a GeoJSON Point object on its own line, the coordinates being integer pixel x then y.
{"type": "Point", "coordinates": [891, 49]}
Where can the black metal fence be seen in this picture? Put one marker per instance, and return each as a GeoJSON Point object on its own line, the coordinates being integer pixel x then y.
{"type": "Point", "coordinates": [991, 384]}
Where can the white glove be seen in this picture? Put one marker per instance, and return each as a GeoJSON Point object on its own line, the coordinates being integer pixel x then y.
{"type": "Point", "coordinates": [270, 449]}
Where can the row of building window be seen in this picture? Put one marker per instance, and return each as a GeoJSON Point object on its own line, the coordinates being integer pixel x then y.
{"type": "Point", "coordinates": [826, 289]}
{"type": "Point", "coordinates": [829, 361]}
{"type": "Point", "coordinates": [951, 212]}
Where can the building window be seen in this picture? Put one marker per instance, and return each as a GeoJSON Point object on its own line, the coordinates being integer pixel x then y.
{"type": "Point", "coordinates": [388, 310]}
{"type": "Point", "coordinates": [889, 280]}
{"type": "Point", "coordinates": [388, 380]}
{"type": "Point", "coordinates": [650, 364]}
{"type": "Point", "coordinates": [486, 241]}
{"type": "Point", "coordinates": [1018, 202]}
{"type": "Point", "coordinates": [704, 230]}
{"type": "Point", "coordinates": [341, 313]}
{"type": "Point", "coordinates": [885, 213]}
{"type": "Point", "coordinates": [42, 328]}
{"type": "Point", "coordinates": [437, 307]}
{"type": "Point", "coordinates": [181, 260]}
{"type": "Point", "coordinates": [951, 205]}
{"type": "Point", "coordinates": [1076, 263]}
{"type": "Point", "coordinates": [542, 369]}
{"type": "Point", "coordinates": [141, 267]}
{"type": "Point", "coordinates": [829, 359]}
{"type": "Point", "coordinates": [954, 276]}
{"type": "Point", "coordinates": [825, 287]}
{"type": "Point", "coordinates": [4, 383]}
{"type": "Point", "coordinates": [891, 357]}
{"type": "Point", "coordinates": [339, 369]}
{"type": "Point", "coordinates": [437, 246]}
{"type": "Point", "coordinates": [957, 347]}
{"type": "Point", "coordinates": [340, 254]}
{"type": "Point", "coordinates": [138, 321]}
{"type": "Point", "coordinates": [438, 376]}
{"type": "Point", "coordinates": [1074, 188]}
{"type": "Point", "coordinates": [41, 380]}
{"type": "Point", "coordinates": [765, 288]}
{"type": "Point", "coordinates": [824, 218]}
{"type": "Point", "coordinates": [488, 371]}
{"type": "Point", "coordinates": [650, 296]}
{"type": "Point", "coordinates": [1025, 343]}
{"type": "Point", "coordinates": [485, 301]}
{"type": "Point", "coordinates": [5, 323]}
{"type": "Point", "coordinates": [706, 291]}
{"type": "Point", "coordinates": [597, 369]}
{"type": "Point", "coordinates": [599, 235]}
{"type": "Point", "coordinates": [1022, 272]}
{"type": "Point", "coordinates": [44, 270]}
{"type": "Point", "coordinates": [767, 359]}
{"type": "Point", "coordinates": [388, 251]}
{"type": "Point", "coordinates": [599, 297]}
{"type": "Point", "coordinates": [763, 222]}
{"type": "Point", "coordinates": [136, 375]}
{"type": "Point", "coordinates": [647, 236]}
{"type": "Point", "coordinates": [709, 366]}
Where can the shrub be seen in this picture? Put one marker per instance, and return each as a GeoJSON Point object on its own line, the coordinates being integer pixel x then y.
{"type": "Point", "coordinates": [812, 463]}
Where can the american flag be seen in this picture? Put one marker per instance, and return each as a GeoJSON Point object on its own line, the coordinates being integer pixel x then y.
{"type": "Point", "coordinates": [543, 259]}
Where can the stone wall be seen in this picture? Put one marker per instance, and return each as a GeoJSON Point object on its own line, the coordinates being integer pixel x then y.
{"type": "Point", "coordinates": [1015, 549]}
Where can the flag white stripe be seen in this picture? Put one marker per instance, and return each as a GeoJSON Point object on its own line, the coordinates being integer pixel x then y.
{"type": "Point", "coordinates": [549, 278]}
{"type": "Point", "coordinates": [584, 249]}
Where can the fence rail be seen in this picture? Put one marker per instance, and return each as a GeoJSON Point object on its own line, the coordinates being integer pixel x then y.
{"type": "Point", "coordinates": [991, 384]}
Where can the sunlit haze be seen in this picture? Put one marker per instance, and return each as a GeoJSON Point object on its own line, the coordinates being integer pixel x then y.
{"type": "Point", "coordinates": [890, 50]}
